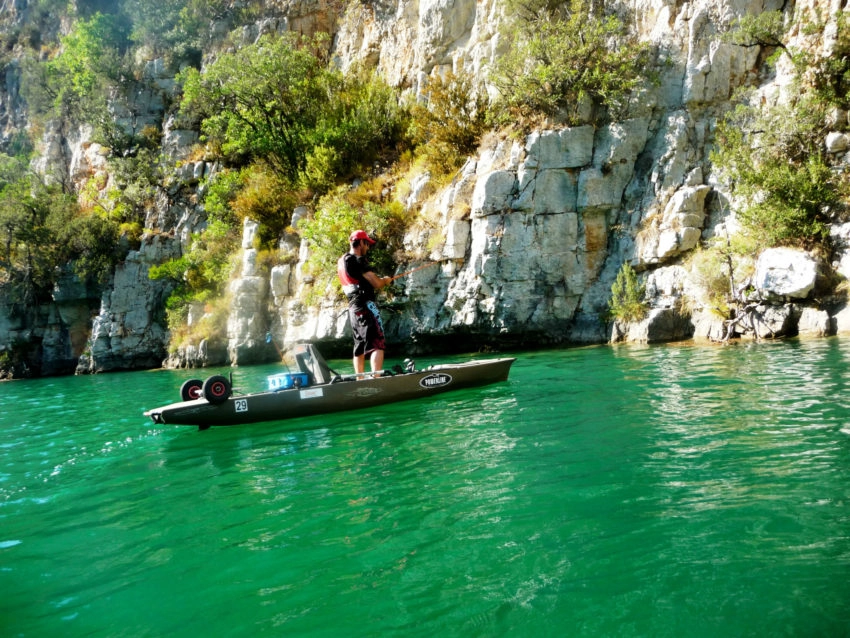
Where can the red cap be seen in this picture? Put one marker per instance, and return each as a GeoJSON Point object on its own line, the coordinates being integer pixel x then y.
{"type": "Point", "coordinates": [360, 234]}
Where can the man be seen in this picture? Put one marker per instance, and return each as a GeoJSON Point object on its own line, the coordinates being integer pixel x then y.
{"type": "Point", "coordinates": [359, 283]}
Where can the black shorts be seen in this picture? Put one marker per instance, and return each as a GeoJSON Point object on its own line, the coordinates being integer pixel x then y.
{"type": "Point", "coordinates": [367, 328]}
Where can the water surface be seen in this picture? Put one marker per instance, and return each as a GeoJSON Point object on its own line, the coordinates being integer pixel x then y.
{"type": "Point", "coordinates": [626, 491]}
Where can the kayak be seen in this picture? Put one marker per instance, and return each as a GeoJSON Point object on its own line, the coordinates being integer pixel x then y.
{"type": "Point", "coordinates": [316, 389]}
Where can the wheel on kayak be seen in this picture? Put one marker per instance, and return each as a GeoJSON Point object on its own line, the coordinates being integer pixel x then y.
{"type": "Point", "coordinates": [216, 389]}
{"type": "Point", "coordinates": [192, 389]}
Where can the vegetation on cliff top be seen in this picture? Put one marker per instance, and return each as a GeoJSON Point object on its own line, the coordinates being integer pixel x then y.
{"type": "Point", "coordinates": [774, 158]}
{"type": "Point", "coordinates": [565, 61]}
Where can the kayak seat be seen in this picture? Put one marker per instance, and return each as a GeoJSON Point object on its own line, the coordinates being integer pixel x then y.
{"type": "Point", "coordinates": [310, 361]}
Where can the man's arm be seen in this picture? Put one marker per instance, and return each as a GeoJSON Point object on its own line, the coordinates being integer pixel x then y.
{"type": "Point", "coordinates": [377, 282]}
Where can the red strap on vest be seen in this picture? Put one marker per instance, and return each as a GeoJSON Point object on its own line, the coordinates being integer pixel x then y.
{"type": "Point", "coordinates": [343, 275]}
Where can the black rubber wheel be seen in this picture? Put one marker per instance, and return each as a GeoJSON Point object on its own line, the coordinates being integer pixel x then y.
{"type": "Point", "coordinates": [192, 389]}
{"type": "Point", "coordinates": [216, 389]}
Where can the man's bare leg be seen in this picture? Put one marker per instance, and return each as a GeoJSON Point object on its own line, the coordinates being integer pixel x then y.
{"type": "Point", "coordinates": [377, 360]}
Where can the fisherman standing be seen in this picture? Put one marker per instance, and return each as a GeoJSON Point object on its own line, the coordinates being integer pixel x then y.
{"type": "Point", "coordinates": [359, 283]}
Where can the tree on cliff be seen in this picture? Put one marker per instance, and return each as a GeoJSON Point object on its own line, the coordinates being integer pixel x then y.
{"type": "Point", "coordinates": [75, 82]}
{"type": "Point", "coordinates": [278, 102]}
{"type": "Point", "coordinates": [42, 228]}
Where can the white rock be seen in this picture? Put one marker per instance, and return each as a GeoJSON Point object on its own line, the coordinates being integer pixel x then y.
{"type": "Point", "coordinates": [785, 272]}
{"type": "Point", "coordinates": [837, 142]}
{"type": "Point", "coordinates": [457, 239]}
{"type": "Point", "coordinates": [814, 322]}
{"type": "Point", "coordinates": [249, 232]}
{"type": "Point", "coordinates": [493, 193]}
{"type": "Point", "coordinates": [678, 230]}
{"type": "Point", "coordinates": [249, 262]}
{"type": "Point", "coordinates": [300, 212]}
{"type": "Point", "coordinates": [567, 148]}
{"type": "Point", "coordinates": [598, 191]}
{"type": "Point", "coordinates": [279, 280]}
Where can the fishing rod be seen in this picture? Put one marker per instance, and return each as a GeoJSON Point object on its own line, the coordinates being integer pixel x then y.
{"type": "Point", "coordinates": [494, 254]}
{"type": "Point", "coordinates": [410, 272]}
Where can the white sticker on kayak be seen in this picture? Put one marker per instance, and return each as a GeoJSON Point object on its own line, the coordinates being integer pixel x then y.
{"type": "Point", "coordinates": [311, 393]}
{"type": "Point", "coordinates": [435, 380]}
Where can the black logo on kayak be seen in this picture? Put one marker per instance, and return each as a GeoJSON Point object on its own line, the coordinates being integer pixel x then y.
{"type": "Point", "coordinates": [435, 380]}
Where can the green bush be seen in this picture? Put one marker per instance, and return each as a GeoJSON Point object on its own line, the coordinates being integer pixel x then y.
{"type": "Point", "coordinates": [829, 75]}
{"type": "Point", "coordinates": [222, 189]}
{"type": "Point", "coordinates": [565, 56]}
{"type": "Point", "coordinates": [363, 122]}
{"type": "Point", "coordinates": [259, 102]}
{"type": "Point", "coordinates": [721, 267]}
{"type": "Point", "coordinates": [264, 198]}
{"type": "Point", "coordinates": [296, 126]}
{"type": "Point", "coordinates": [278, 102]}
{"type": "Point", "coordinates": [75, 82]}
{"type": "Point", "coordinates": [627, 296]}
{"type": "Point", "coordinates": [773, 162]}
{"type": "Point", "coordinates": [773, 159]}
{"type": "Point", "coordinates": [42, 228]}
{"type": "Point", "coordinates": [448, 126]}
{"type": "Point", "coordinates": [200, 274]}
{"type": "Point", "coordinates": [321, 169]}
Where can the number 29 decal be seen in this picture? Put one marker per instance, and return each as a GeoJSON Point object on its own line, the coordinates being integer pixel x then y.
{"type": "Point", "coordinates": [241, 405]}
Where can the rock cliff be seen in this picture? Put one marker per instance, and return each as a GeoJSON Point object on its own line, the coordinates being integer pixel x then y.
{"type": "Point", "coordinates": [526, 240]}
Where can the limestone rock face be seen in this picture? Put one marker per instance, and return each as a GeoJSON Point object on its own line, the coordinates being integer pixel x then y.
{"type": "Point", "coordinates": [527, 238]}
{"type": "Point", "coordinates": [125, 334]}
{"type": "Point", "coordinates": [677, 230]}
{"type": "Point", "coordinates": [662, 325]}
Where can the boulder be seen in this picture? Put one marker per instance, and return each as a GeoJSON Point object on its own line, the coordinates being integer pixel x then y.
{"type": "Point", "coordinates": [785, 272]}
{"type": "Point", "coordinates": [770, 321]}
{"type": "Point", "coordinates": [837, 142]}
{"type": "Point", "coordinates": [660, 325]}
{"type": "Point", "coordinates": [814, 323]}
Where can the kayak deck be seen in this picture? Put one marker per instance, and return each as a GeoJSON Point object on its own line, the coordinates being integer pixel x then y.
{"type": "Point", "coordinates": [334, 394]}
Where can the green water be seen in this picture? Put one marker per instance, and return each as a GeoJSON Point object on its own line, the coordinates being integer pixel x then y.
{"type": "Point", "coordinates": [652, 491]}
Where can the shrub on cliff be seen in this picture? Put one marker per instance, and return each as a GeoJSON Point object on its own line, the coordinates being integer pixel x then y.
{"type": "Point", "coordinates": [627, 296]}
{"type": "Point", "coordinates": [42, 228]}
{"type": "Point", "coordinates": [75, 82]}
{"type": "Point", "coordinates": [200, 274]}
{"type": "Point", "coordinates": [266, 199]}
{"type": "Point", "coordinates": [447, 125]}
{"type": "Point", "coordinates": [564, 58]}
{"type": "Point", "coordinates": [826, 75]}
